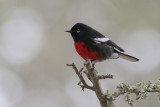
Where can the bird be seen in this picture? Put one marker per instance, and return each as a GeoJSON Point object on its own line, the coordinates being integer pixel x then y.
{"type": "Point", "coordinates": [91, 44]}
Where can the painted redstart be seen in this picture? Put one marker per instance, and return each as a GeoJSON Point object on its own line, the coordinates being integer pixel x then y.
{"type": "Point", "coordinates": [90, 44]}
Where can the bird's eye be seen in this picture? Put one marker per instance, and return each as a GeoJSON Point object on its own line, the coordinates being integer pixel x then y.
{"type": "Point", "coordinates": [78, 31]}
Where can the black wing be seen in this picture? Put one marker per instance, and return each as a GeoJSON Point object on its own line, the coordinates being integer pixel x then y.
{"type": "Point", "coordinates": [110, 43]}
{"type": "Point", "coordinates": [104, 40]}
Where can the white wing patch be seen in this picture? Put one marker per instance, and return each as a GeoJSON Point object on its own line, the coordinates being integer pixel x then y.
{"type": "Point", "coordinates": [100, 40]}
{"type": "Point", "coordinates": [114, 56]}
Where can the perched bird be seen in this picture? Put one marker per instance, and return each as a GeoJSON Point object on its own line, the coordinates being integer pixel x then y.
{"type": "Point", "coordinates": [90, 44]}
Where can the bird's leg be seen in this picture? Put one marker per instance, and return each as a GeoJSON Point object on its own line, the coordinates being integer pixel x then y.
{"type": "Point", "coordinates": [93, 66]}
{"type": "Point", "coordinates": [86, 62]}
{"type": "Point", "coordinates": [93, 63]}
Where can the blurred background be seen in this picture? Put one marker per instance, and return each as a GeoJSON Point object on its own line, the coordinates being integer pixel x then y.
{"type": "Point", "coordinates": [34, 50]}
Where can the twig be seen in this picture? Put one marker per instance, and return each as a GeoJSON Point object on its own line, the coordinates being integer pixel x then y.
{"type": "Point", "coordinates": [154, 90]}
{"type": "Point", "coordinates": [78, 72]}
{"type": "Point", "coordinates": [122, 92]}
{"type": "Point", "coordinates": [105, 76]}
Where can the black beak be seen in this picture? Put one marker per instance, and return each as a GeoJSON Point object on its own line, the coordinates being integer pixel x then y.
{"type": "Point", "coordinates": [69, 31]}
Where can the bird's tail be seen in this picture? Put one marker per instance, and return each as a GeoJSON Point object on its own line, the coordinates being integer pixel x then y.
{"type": "Point", "coordinates": [128, 57]}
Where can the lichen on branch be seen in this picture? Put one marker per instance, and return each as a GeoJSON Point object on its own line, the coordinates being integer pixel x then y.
{"type": "Point", "coordinates": [141, 90]}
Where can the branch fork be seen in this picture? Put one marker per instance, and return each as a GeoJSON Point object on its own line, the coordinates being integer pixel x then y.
{"type": "Point", "coordinates": [93, 76]}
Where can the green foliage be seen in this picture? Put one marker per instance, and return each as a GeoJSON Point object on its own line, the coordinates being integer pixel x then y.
{"type": "Point", "coordinates": [141, 90]}
{"type": "Point", "coordinates": [129, 99]}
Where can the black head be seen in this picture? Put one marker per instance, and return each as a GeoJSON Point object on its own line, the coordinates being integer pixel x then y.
{"type": "Point", "coordinates": [80, 31]}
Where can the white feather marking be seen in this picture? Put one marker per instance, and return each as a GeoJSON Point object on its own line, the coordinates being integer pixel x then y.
{"type": "Point", "coordinates": [114, 56]}
{"type": "Point", "coordinates": [98, 40]}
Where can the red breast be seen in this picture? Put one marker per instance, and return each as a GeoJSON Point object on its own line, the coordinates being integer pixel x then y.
{"type": "Point", "coordinates": [83, 51]}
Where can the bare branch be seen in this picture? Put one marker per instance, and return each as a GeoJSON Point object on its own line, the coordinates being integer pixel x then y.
{"type": "Point", "coordinates": [95, 81]}
{"type": "Point", "coordinates": [105, 76]}
{"type": "Point", "coordinates": [94, 78]}
{"type": "Point", "coordinates": [154, 90]}
{"type": "Point", "coordinates": [78, 72]}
